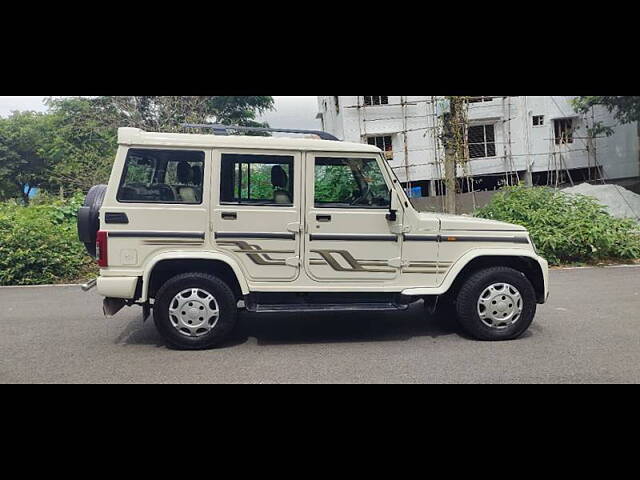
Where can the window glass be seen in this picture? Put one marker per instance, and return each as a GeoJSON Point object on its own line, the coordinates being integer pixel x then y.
{"type": "Point", "coordinates": [563, 128]}
{"type": "Point", "coordinates": [162, 176]}
{"type": "Point", "coordinates": [482, 141]}
{"type": "Point", "coordinates": [379, 100]}
{"type": "Point", "coordinates": [256, 179]}
{"type": "Point", "coordinates": [479, 99]}
{"type": "Point", "coordinates": [384, 143]}
{"type": "Point", "coordinates": [350, 182]}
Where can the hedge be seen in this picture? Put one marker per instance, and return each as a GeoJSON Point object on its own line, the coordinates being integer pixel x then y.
{"type": "Point", "coordinates": [566, 228]}
{"type": "Point", "coordinates": [39, 244]}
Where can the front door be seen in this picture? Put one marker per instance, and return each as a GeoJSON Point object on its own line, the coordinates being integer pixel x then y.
{"type": "Point", "coordinates": [256, 218]}
{"type": "Point", "coordinates": [348, 237]}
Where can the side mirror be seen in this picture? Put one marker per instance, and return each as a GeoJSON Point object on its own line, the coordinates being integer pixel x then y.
{"type": "Point", "coordinates": [392, 216]}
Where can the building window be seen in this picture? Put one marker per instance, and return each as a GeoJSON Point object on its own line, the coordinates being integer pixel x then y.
{"type": "Point", "coordinates": [563, 129]}
{"type": "Point", "coordinates": [336, 100]}
{"type": "Point", "coordinates": [538, 120]}
{"type": "Point", "coordinates": [369, 101]}
{"type": "Point", "coordinates": [479, 99]}
{"type": "Point", "coordinates": [384, 143]}
{"type": "Point", "coordinates": [482, 141]}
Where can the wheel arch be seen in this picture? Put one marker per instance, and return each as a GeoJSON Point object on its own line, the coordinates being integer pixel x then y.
{"type": "Point", "coordinates": [524, 261]}
{"type": "Point", "coordinates": [169, 264]}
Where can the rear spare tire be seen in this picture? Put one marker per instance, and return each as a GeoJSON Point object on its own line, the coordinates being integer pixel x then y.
{"type": "Point", "coordinates": [89, 217]}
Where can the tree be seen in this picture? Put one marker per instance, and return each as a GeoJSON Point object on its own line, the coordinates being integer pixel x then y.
{"type": "Point", "coordinates": [627, 110]}
{"type": "Point", "coordinates": [453, 139]}
{"type": "Point", "coordinates": [83, 143]}
{"type": "Point", "coordinates": [23, 164]}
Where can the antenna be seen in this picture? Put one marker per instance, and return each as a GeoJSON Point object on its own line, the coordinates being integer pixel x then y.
{"type": "Point", "coordinates": [219, 129]}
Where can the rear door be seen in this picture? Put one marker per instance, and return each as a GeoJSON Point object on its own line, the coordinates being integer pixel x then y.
{"type": "Point", "coordinates": [256, 214]}
{"type": "Point", "coordinates": [348, 237]}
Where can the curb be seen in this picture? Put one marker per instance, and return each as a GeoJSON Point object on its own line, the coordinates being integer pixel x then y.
{"type": "Point", "coordinates": [43, 286]}
{"type": "Point", "coordinates": [594, 266]}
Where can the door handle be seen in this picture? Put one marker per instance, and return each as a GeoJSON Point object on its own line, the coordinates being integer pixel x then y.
{"type": "Point", "coordinates": [323, 218]}
{"type": "Point", "coordinates": [229, 215]}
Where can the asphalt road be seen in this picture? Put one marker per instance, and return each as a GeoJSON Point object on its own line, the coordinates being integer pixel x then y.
{"type": "Point", "coordinates": [588, 332]}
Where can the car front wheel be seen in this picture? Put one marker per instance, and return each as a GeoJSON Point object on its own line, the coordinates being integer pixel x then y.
{"type": "Point", "coordinates": [496, 303]}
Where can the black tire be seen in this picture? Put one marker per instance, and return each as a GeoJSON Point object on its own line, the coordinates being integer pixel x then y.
{"type": "Point", "coordinates": [89, 218]}
{"type": "Point", "coordinates": [227, 305]}
{"type": "Point", "coordinates": [469, 295]}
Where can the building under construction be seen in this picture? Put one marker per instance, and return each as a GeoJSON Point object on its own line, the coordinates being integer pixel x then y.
{"type": "Point", "coordinates": [536, 140]}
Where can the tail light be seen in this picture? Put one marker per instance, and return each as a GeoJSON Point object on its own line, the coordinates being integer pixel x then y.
{"type": "Point", "coordinates": [101, 249]}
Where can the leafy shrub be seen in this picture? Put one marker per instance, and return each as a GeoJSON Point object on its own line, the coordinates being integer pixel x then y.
{"type": "Point", "coordinates": [565, 228]}
{"type": "Point", "coordinates": [39, 244]}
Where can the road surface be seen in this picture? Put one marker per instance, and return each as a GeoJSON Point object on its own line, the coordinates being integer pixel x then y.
{"type": "Point", "coordinates": [588, 332]}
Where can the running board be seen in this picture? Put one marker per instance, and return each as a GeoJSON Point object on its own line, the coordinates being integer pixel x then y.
{"type": "Point", "coordinates": [325, 307]}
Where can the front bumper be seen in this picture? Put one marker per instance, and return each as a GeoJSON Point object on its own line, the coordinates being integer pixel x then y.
{"type": "Point", "coordinates": [544, 266]}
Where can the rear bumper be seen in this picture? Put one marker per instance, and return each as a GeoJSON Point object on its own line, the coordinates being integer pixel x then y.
{"type": "Point", "coordinates": [117, 287]}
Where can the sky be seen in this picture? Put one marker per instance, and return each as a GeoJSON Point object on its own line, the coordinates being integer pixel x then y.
{"type": "Point", "coordinates": [291, 112]}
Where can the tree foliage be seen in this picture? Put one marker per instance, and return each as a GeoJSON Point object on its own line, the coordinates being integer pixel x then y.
{"type": "Point", "coordinates": [626, 109]}
{"type": "Point", "coordinates": [82, 147]}
{"type": "Point", "coordinates": [24, 164]}
{"type": "Point", "coordinates": [168, 113]}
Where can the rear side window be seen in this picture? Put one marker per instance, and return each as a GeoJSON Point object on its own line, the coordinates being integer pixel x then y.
{"type": "Point", "coordinates": [162, 176]}
{"type": "Point", "coordinates": [256, 179]}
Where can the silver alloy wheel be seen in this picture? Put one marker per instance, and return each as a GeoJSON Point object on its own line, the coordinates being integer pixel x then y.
{"type": "Point", "coordinates": [500, 305]}
{"type": "Point", "coordinates": [194, 312]}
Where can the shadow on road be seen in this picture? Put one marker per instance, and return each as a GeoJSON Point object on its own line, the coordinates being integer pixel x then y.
{"type": "Point", "coordinates": [285, 329]}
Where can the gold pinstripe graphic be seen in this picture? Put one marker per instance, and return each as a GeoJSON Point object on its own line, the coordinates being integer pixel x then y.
{"type": "Point", "coordinates": [256, 253]}
{"type": "Point", "coordinates": [259, 256]}
{"type": "Point", "coordinates": [354, 264]}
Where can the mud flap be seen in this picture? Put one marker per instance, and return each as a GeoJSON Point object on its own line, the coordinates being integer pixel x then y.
{"type": "Point", "coordinates": [111, 306]}
{"type": "Point", "coordinates": [431, 304]}
{"type": "Point", "coordinates": [146, 311]}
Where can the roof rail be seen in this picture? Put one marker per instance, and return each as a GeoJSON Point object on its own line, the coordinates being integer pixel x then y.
{"type": "Point", "coordinates": [219, 129]}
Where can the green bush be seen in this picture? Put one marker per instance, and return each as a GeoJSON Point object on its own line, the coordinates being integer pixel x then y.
{"type": "Point", "coordinates": [39, 244]}
{"type": "Point", "coordinates": [565, 228]}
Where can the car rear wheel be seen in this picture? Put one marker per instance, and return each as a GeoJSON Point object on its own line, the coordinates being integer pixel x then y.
{"type": "Point", "coordinates": [194, 311]}
{"type": "Point", "coordinates": [496, 303]}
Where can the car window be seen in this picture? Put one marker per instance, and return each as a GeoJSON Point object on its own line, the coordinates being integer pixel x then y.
{"type": "Point", "coordinates": [256, 179]}
{"type": "Point", "coordinates": [350, 182]}
{"type": "Point", "coordinates": [162, 176]}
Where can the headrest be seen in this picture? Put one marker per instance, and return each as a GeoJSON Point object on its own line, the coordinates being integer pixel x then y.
{"type": "Point", "coordinates": [184, 172]}
{"type": "Point", "coordinates": [197, 174]}
{"type": "Point", "coordinates": [278, 177]}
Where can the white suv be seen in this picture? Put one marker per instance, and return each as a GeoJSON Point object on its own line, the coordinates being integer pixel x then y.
{"type": "Point", "coordinates": [197, 226]}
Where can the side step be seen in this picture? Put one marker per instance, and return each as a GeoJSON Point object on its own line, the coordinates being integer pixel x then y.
{"type": "Point", "coordinates": [325, 307]}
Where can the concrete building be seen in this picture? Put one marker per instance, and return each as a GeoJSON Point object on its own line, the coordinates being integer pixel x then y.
{"type": "Point", "coordinates": [539, 140]}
